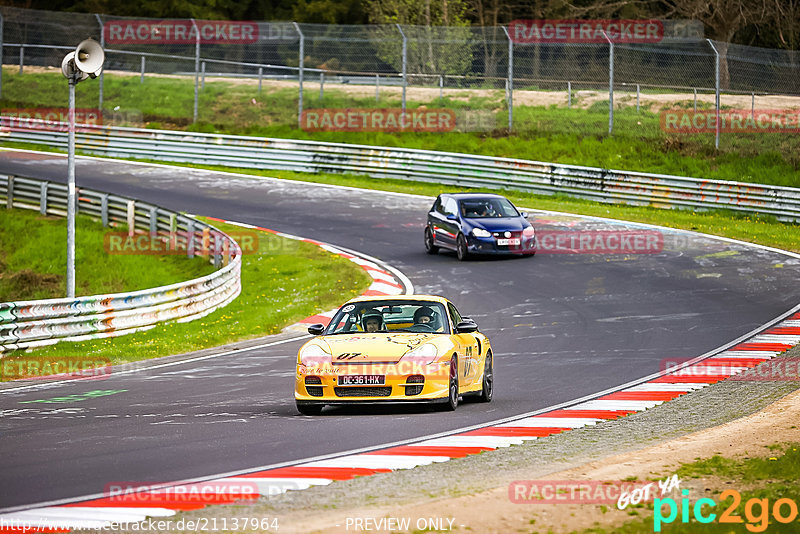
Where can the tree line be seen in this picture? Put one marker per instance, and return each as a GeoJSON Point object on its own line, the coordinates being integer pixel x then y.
{"type": "Point", "coordinates": [766, 23]}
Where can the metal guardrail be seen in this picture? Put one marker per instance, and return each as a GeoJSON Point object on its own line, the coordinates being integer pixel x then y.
{"type": "Point", "coordinates": [604, 185]}
{"type": "Point", "coordinates": [29, 324]}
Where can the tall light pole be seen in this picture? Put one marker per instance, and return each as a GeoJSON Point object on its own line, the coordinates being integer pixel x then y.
{"type": "Point", "coordinates": [85, 62]}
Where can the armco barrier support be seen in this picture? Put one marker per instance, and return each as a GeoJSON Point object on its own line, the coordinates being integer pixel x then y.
{"type": "Point", "coordinates": [603, 185]}
{"type": "Point", "coordinates": [45, 322]}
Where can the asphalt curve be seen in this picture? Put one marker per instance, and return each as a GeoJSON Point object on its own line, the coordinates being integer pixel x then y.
{"type": "Point", "coordinates": [562, 325]}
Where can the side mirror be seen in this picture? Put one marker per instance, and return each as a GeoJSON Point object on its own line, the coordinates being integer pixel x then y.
{"type": "Point", "coordinates": [465, 327]}
{"type": "Point", "coordinates": [524, 214]}
{"type": "Point", "coordinates": [316, 329]}
{"type": "Point", "coordinates": [452, 217]}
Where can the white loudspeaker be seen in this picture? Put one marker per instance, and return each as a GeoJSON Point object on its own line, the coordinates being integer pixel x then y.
{"type": "Point", "coordinates": [69, 69]}
{"type": "Point", "coordinates": [89, 57]}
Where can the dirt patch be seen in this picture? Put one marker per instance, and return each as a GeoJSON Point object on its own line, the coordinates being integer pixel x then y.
{"type": "Point", "coordinates": [28, 285]}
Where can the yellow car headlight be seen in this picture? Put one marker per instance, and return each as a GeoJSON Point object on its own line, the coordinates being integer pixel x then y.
{"type": "Point", "coordinates": [313, 354]}
{"type": "Point", "coordinates": [424, 354]}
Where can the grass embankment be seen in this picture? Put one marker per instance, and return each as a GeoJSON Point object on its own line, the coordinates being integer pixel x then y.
{"type": "Point", "coordinates": [33, 259]}
{"type": "Point", "coordinates": [574, 136]}
{"type": "Point", "coordinates": [759, 482]}
{"type": "Point", "coordinates": [284, 281]}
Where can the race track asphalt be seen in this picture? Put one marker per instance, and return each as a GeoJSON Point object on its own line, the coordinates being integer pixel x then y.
{"type": "Point", "coordinates": [562, 325]}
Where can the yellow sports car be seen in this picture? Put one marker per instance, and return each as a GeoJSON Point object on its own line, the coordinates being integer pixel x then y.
{"type": "Point", "coordinates": [410, 348]}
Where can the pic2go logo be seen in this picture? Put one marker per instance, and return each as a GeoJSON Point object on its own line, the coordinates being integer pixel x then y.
{"type": "Point", "coordinates": [756, 511]}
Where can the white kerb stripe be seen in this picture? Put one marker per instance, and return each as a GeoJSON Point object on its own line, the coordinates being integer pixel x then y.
{"type": "Point", "coordinates": [274, 486]}
{"type": "Point", "coordinates": [703, 370]}
{"type": "Point", "coordinates": [493, 442]}
{"type": "Point", "coordinates": [241, 224]}
{"type": "Point", "coordinates": [686, 386]}
{"type": "Point", "coordinates": [365, 263]}
{"type": "Point", "coordinates": [552, 422]}
{"type": "Point", "coordinates": [776, 338]}
{"type": "Point", "coordinates": [747, 354]}
{"type": "Point", "coordinates": [385, 288]}
{"type": "Point", "coordinates": [381, 275]}
{"type": "Point", "coordinates": [791, 322]}
{"type": "Point", "coordinates": [377, 461]}
{"type": "Point", "coordinates": [634, 405]}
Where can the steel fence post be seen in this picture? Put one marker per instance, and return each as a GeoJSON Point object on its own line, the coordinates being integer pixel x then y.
{"type": "Point", "coordinates": [300, 74]}
{"type": "Point", "coordinates": [71, 191]}
{"type": "Point", "coordinates": [173, 232]}
{"type": "Point", "coordinates": [190, 239]}
{"type": "Point", "coordinates": [610, 83]}
{"type": "Point", "coordinates": [637, 98]}
{"type": "Point", "coordinates": [510, 80]}
{"type": "Point", "coordinates": [103, 46]}
{"type": "Point", "coordinates": [569, 95]}
{"type": "Point", "coordinates": [716, 91]}
{"type": "Point", "coordinates": [141, 76]}
{"type": "Point", "coordinates": [104, 209]}
{"type": "Point", "coordinates": [196, 67]}
{"type": "Point", "coordinates": [153, 221]}
{"type": "Point", "coordinates": [321, 85]}
{"type": "Point", "coordinates": [43, 198]}
{"type": "Point", "coordinates": [695, 99]}
{"type": "Point", "coordinates": [377, 88]}
{"type": "Point", "coordinates": [260, 77]}
{"type": "Point", "coordinates": [753, 106]}
{"type": "Point", "coordinates": [10, 191]}
{"type": "Point", "coordinates": [21, 58]}
{"type": "Point", "coordinates": [405, 64]}
{"type": "Point", "coordinates": [217, 249]}
{"type": "Point", "coordinates": [131, 217]}
{"type": "Point", "coordinates": [202, 76]}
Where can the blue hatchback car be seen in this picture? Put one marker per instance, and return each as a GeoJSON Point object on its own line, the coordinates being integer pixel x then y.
{"type": "Point", "coordinates": [478, 223]}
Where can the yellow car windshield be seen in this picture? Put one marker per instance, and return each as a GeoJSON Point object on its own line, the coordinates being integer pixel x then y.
{"type": "Point", "coordinates": [390, 316]}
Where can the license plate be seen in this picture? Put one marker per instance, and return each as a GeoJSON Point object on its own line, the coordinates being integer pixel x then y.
{"type": "Point", "coordinates": [514, 241]}
{"type": "Point", "coordinates": [362, 380]}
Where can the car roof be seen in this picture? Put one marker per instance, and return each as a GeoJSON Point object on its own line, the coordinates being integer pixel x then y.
{"type": "Point", "coordinates": [431, 298]}
{"type": "Point", "coordinates": [462, 196]}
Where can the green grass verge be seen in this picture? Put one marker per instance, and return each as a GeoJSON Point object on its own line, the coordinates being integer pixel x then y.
{"type": "Point", "coordinates": [764, 478]}
{"type": "Point", "coordinates": [557, 134]}
{"type": "Point", "coordinates": [284, 282]}
{"type": "Point", "coordinates": [33, 259]}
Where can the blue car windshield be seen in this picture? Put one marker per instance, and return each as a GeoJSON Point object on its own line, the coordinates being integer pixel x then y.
{"type": "Point", "coordinates": [478, 208]}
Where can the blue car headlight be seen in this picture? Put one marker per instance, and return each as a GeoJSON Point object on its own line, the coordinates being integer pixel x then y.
{"type": "Point", "coordinates": [480, 232]}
